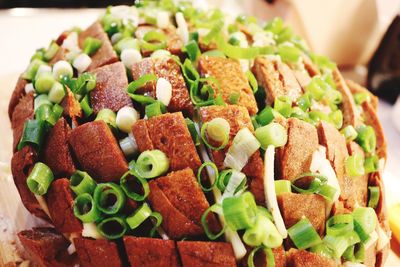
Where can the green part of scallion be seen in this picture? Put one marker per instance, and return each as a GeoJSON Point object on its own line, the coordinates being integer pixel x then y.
{"type": "Point", "coordinates": [33, 134]}
{"type": "Point", "coordinates": [282, 186]}
{"type": "Point", "coordinates": [49, 113]}
{"type": "Point", "coordinates": [361, 233]}
{"type": "Point", "coordinates": [322, 62]}
{"type": "Point", "coordinates": [51, 51]}
{"type": "Point", "coordinates": [323, 250]}
{"type": "Point", "coordinates": [86, 107]}
{"type": "Point", "coordinates": [252, 81]}
{"type": "Point", "coordinates": [234, 98]}
{"type": "Point", "coordinates": [304, 102]}
{"type": "Point", "coordinates": [152, 163]}
{"type": "Point", "coordinates": [339, 224]}
{"type": "Point", "coordinates": [303, 234]}
{"type": "Point", "coordinates": [360, 98]}
{"type": "Point", "coordinates": [216, 208]}
{"type": "Point", "coordinates": [289, 53]}
{"type": "Point", "coordinates": [265, 116]}
{"type": "Point", "coordinates": [154, 40]}
{"type": "Point", "coordinates": [355, 253]}
{"type": "Point", "coordinates": [129, 183]}
{"type": "Point", "coordinates": [109, 198]}
{"type": "Point", "coordinates": [268, 253]}
{"type": "Point", "coordinates": [192, 50]}
{"type": "Point", "coordinates": [217, 131]}
{"type": "Point", "coordinates": [224, 178]}
{"type": "Point", "coordinates": [57, 93]}
{"type": "Point", "coordinates": [44, 83]}
{"type": "Point", "coordinates": [154, 109]}
{"type": "Point", "coordinates": [33, 67]}
{"type": "Point", "coordinates": [111, 24]}
{"type": "Point", "coordinates": [336, 117]}
{"type": "Point", "coordinates": [142, 214]}
{"type": "Point", "coordinates": [142, 81]}
{"type": "Point", "coordinates": [233, 41]}
{"type": "Point", "coordinates": [214, 31]}
{"type": "Point", "coordinates": [39, 54]}
{"type": "Point", "coordinates": [81, 182]}
{"type": "Point", "coordinates": [317, 88]}
{"type": "Point", "coordinates": [366, 217]}
{"type": "Point", "coordinates": [349, 133]}
{"type": "Point", "coordinates": [199, 175]}
{"type": "Point", "coordinates": [366, 138]}
{"type": "Point", "coordinates": [126, 43]}
{"type": "Point", "coordinates": [374, 195]}
{"type": "Point", "coordinates": [112, 228]}
{"type": "Point", "coordinates": [194, 36]}
{"type": "Point", "coordinates": [91, 45]}
{"type": "Point", "coordinates": [271, 134]}
{"type": "Point", "coordinates": [41, 100]}
{"type": "Point", "coordinates": [355, 165]}
{"type": "Point", "coordinates": [108, 116]}
{"type": "Point", "coordinates": [39, 179]}
{"type": "Point", "coordinates": [214, 53]}
{"type": "Point", "coordinates": [371, 164]}
{"type": "Point", "coordinates": [339, 244]}
{"type": "Point", "coordinates": [142, 99]}
{"type": "Point", "coordinates": [85, 208]}
{"type": "Point", "coordinates": [317, 116]}
{"type": "Point", "coordinates": [193, 131]}
{"type": "Point", "coordinates": [299, 114]}
{"type": "Point", "coordinates": [283, 104]}
{"type": "Point", "coordinates": [240, 212]}
{"type": "Point", "coordinates": [85, 83]}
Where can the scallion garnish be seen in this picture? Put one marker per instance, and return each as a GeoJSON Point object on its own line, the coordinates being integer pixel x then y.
{"type": "Point", "coordinates": [152, 163]}
{"type": "Point", "coordinates": [112, 228]}
{"type": "Point", "coordinates": [339, 224]}
{"type": "Point", "coordinates": [283, 104]}
{"type": "Point", "coordinates": [142, 81]}
{"type": "Point", "coordinates": [366, 217]}
{"type": "Point", "coordinates": [271, 134]}
{"type": "Point", "coordinates": [91, 45]}
{"type": "Point", "coordinates": [371, 164]}
{"type": "Point", "coordinates": [349, 133]}
{"type": "Point", "coordinates": [81, 182]}
{"type": "Point", "coordinates": [109, 198]}
{"type": "Point", "coordinates": [49, 113]}
{"type": "Point", "coordinates": [303, 234]}
{"type": "Point", "coordinates": [39, 179]}
{"type": "Point", "coordinates": [217, 130]}
{"type": "Point", "coordinates": [193, 50]}
{"type": "Point", "coordinates": [355, 165]}
{"type": "Point", "coordinates": [85, 105]}
{"type": "Point", "coordinates": [33, 134]}
{"type": "Point", "coordinates": [374, 195]}
{"type": "Point", "coordinates": [268, 253]}
{"type": "Point", "coordinates": [108, 116]}
{"type": "Point", "coordinates": [44, 83]}
{"type": "Point", "coordinates": [264, 232]}
{"type": "Point", "coordinates": [85, 208]}
{"type": "Point", "coordinates": [57, 93]}
{"type": "Point", "coordinates": [282, 186]}
{"type": "Point", "coordinates": [366, 138]}
{"type": "Point", "coordinates": [33, 67]}
{"type": "Point", "coordinates": [141, 214]}
{"type": "Point", "coordinates": [154, 109]}
{"type": "Point", "coordinates": [193, 131]}
{"type": "Point", "coordinates": [126, 117]}
{"type": "Point", "coordinates": [252, 81]}
{"type": "Point", "coordinates": [199, 175]}
{"type": "Point", "coordinates": [129, 182]}
{"type": "Point", "coordinates": [216, 208]}
{"type": "Point", "coordinates": [339, 244]}
{"type": "Point", "coordinates": [51, 51]}
{"type": "Point", "coordinates": [240, 212]}
{"type": "Point", "coordinates": [265, 116]}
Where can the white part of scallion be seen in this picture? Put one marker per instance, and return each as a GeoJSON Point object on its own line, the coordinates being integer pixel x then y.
{"type": "Point", "coordinates": [161, 53]}
{"type": "Point", "coordinates": [128, 145]}
{"type": "Point", "coordinates": [62, 68]}
{"type": "Point", "coordinates": [126, 13]}
{"type": "Point", "coordinates": [116, 37]}
{"type": "Point", "coordinates": [71, 42]}
{"type": "Point", "coordinates": [57, 93]}
{"type": "Point", "coordinates": [43, 204]}
{"type": "Point", "coordinates": [82, 62]}
{"type": "Point", "coordinates": [29, 88]}
{"type": "Point", "coordinates": [164, 91]}
{"type": "Point", "coordinates": [182, 30]}
{"type": "Point", "coordinates": [244, 145]}
{"type": "Point", "coordinates": [383, 238]}
{"type": "Point", "coordinates": [130, 56]}
{"type": "Point", "coordinates": [43, 69]}
{"type": "Point", "coordinates": [269, 191]}
{"type": "Point", "coordinates": [90, 230]}
{"type": "Point", "coordinates": [234, 182]}
{"type": "Point", "coordinates": [41, 100]}
{"type": "Point", "coordinates": [163, 19]}
{"type": "Point", "coordinates": [126, 117]}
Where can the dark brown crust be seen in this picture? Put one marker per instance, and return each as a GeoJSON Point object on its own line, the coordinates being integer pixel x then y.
{"type": "Point", "coordinates": [23, 111]}
{"type": "Point", "coordinates": [97, 253]}
{"type": "Point", "coordinates": [19, 91]}
{"type": "Point", "coordinates": [303, 258]}
{"type": "Point", "coordinates": [231, 78]}
{"type": "Point", "coordinates": [151, 252]}
{"type": "Point", "coordinates": [106, 54]}
{"type": "Point", "coordinates": [61, 202]}
{"type": "Point", "coordinates": [98, 152]}
{"type": "Point", "coordinates": [21, 165]}
{"type": "Point", "coordinates": [56, 152]}
{"type": "Point", "coordinates": [238, 118]}
{"type": "Point", "coordinates": [110, 91]}
{"type": "Point", "coordinates": [206, 254]}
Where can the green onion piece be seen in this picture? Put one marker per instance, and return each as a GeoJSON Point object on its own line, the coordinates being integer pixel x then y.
{"type": "Point", "coordinates": [154, 36]}
{"type": "Point", "coordinates": [41, 100]}
{"type": "Point", "coordinates": [111, 24]}
{"type": "Point", "coordinates": [336, 117]}
{"type": "Point", "coordinates": [57, 93]}
{"type": "Point", "coordinates": [214, 53]}
{"type": "Point", "coordinates": [283, 104]}
{"type": "Point", "coordinates": [225, 177]}
{"type": "Point", "coordinates": [303, 234]}
{"type": "Point", "coordinates": [154, 40]}
{"type": "Point", "coordinates": [327, 191]}
{"type": "Point", "coordinates": [39, 54]}
{"type": "Point", "coordinates": [371, 164]}
{"type": "Point", "coordinates": [142, 214]}
{"type": "Point", "coordinates": [142, 81]}
{"type": "Point", "coordinates": [85, 83]}
{"type": "Point", "coordinates": [193, 50]}
{"type": "Point", "coordinates": [361, 233]}
{"type": "Point", "coordinates": [317, 88]}
{"type": "Point", "coordinates": [268, 253]}
{"type": "Point", "coordinates": [33, 134]}
{"type": "Point", "coordinates": [44, 83]}
{"type": "Point", "coordinates": [233, 41]}
{"type": "Point", "coordinates": [193, 131]}
{"type": "Point", "coordinates": [81, 182]}
{"type": "Point", "coordinates": [289, 53]}
{"type": "Point", "coordinates": [91, 45]}
{"type": "Point", "coordinates": [129, 183]}
{"type": "Point", "coordinates": [263, 232]}
{"type": "Point", "coordinates": [240, 212]}
{"type": "Point", "coordinates": [85, 208]}
{"type": "Point", "coordinates": [323, 250]}
{"type": "Point", "coordinates": [51, 51]}
{"type": "Point", "coordinates": [155, 109]}
{"type": "Point", "coordinates": [199, 173]}
{"type": "Point", "coordinates": [112, 228]}
{"type": "Point", "coordinates": [339, 224]}
{"type": "Point", "coordinates": [355, 165]}
{"type": "Point", "coordinates": [32, 69]}
{"type": "Point", "coordinates": [315, 185]}
{"type": "Point", "coordinates": [366, 138]}
{"type": "Point", "coordinates": [152, 163]}
{"type": "Point", "coordinates": [339, 244]}
{"type": "Point", "coordinates": [39, 179]}
{"type": "Point", "coordinates": [374, 195]}
{"type": "Point", "coordinates": [360, 98]}
{"type": "Point", "coordinates": [216, 209]}
{"type": "Point", "coordinates": [317, 116]}
{"type": "Point", "coordinates": [304, 102]}
{"type": "Point", "coordinates": [322, 62]}
{"type": "Point", "coordinates": [282, 186]}
{"type": "Point", "coordinates": [366, 217]}
{"type": "Point", "coordinates": [265, 116]}
{"type": "Point", "coordinates": [299, 113]}
{"type": "Point", "coordinates": [194, 36]}
{"type": "Point", "coordinates": [152, 46]}
{"type": "Point", "coordinates": [126, 43]}
{"type": "Point", "coordinates": [85, 105]}
{"type": "Point", "coordinates": [217, 130]}
{"type": "Point", "coordinates": [252, 81]}
{"type": "Point", "coordinates": [333, 96]}
{"type": "Point", "coordinates": [349, 133]}
{"type": "Point", "coordinates": [355, 253]}
{"type": "Point", "coordinates": [109, 197]}
{"type": "Point", "coordinates": [108, 116]}
{"type": "Point", "coordinates": [234, 98]}
{"type": "Point", "coordinates": [212, 34]}
{"type": "Point", "coordinates": [271, 134]}
{"type": "Point", "coordinates": [49, 113]}
{"type": "Point", "coordinates": [142, 99]}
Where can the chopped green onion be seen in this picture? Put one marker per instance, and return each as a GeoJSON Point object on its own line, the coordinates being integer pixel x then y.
{"type": "Point", "coordinates": [126, 117]}
{"type": "Point", "coordinates": [323, 250]}
{"type": "Point", "coordinates": [317, 116]}
{"type": "Point", "coordinates": [349, 133]}
{"type": "Point", "coordinates": [252, 81]}
{"type": "Point", "coordinates": [85, 83]}
{"type": "Point", "coordinates": [371, 164]}
{"type": "Point", "coordinates": [303, 234]}
{"type": "Point", "coordinates": [81, 182]}
{"type": "Point", "coordinates": [233, 41]}
{"type": "Point", "coordinates": [328, 192]}
{"type": "Point", "coordinates": [360, 98]}
{"type": "Point", "coordinates": [265, 116]}
{"type": "Point", "coordinates": [108, 116]}
{"type": "Point", "coordinates": [289, 53]}
{"type": "Point", "coordinates": [339, 244]}
{"type": "Point", "coordinates": [142, 81]}
{"type": "Point", "coordinates": [234, 98]}
{"type": "Point", "coordinates": [49, 113]}
{"type": "Point", "coordinates": [112, 228]}
{"type": "Point", "coordinates": [154, 36]}
{"type": "Point", "coordinates": [154, 40]}
{"type": "Point", "coordinates": [155, 109]}
{"type": "Point", "coordinates": [361, 233]}
{"type": "Point", "coordinates": [263, 232]}
{"type": "Point", "coordinates": [216, 209]}
{"type": "Point", "coordinates": [240, 212]}
{"type": "Point", "coordinates": [282, 186]}
{"type": "Point", "coordinates": [339, 224]}
{"type": "Point", "coordinates": [299, 114]}
{"type": "Point", "coordinates": [271, 134]}
{"type": "Point", "coordinates": [142, 99]}
{"type": "Point", "coordinates": [62, 69]}
{"type": "Point", "coordinates": [152, 163]}
{"type": "Point", "coordinates": [315, 185]}
{"type": "Point", "coordinates": [57, 93]}
{"type": "Point", "coordinates": [193, 131]}
{"type": "Point", "coordinates": [212, 34]}
{"type": "Point", "coordinates": [374, 195]}
{"type": "Point", "coordinates": [51, 51]}
{"type": "Point", "coordinates": [322, 62]}
{"type": "Point", "coordinates": [39, 179]}
{"type": "Point", "coordinates": [269, 256]}
{"type": "Point", "coordinates": [44, 83]}
{"type": "Point", "coordinates": [128, 145]}
{"type": "Point", "coordinates": [140, 215]}
{"type": "Point", "coordinates": [193, 50]}
{"type": "Point", "coordinates": [126, 43]}
{"type": "Point", "coordinates": [355, 165]}
{"type": "Point", "coordinates": [39, 54]}
{"type": "Point", "coordinates": [366, 217]}
{"type": "Point", "coordinates": [85, 105]}
{"type": "Point", "coordinates": [283, 104]}
{"type": "Point", "coordinates": [214, 53]}
{"type": "Point", "coordinates": [336, 117]}
{"type": "Point", "coordinates": [225, 177]}
{"type": "Point", "coordinates": [366, 138]}
{"type": "Point", "coordinates": [217, 130]}
{"type": "Point", "coordinates": [199, 175]}
{"type": "Point", "coordinates": [85, 208]}
{"type": "Point", "coordinates": [304, 102]}
{"type": "Point", "coordinates": [109, 197]}
{"type": "Point", "coordinates": [32, 69]}
{"type": "Point", "coordinates": [129, 183]}
{"type": "Point", "coordinates": [33, 134]}
{"type": "Point", "coordinates": [355, 253]}
{"type": "Point", "coordinates": [91, 45]}
{"type": "Point", "coordinates": [41, 100]}
{"type": "Point", "coordinates": [317, 88]}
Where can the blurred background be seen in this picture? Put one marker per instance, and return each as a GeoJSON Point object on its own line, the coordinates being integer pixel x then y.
{"type": "Point", "coordinates": [60, 3]}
